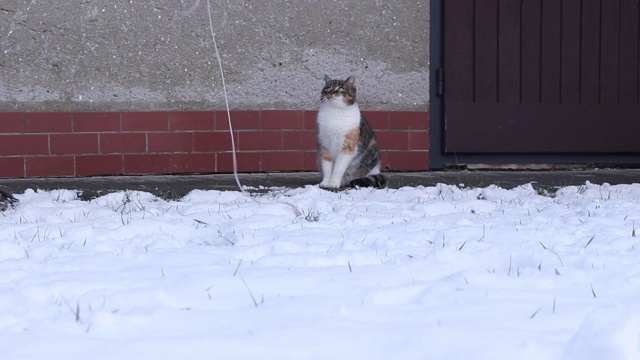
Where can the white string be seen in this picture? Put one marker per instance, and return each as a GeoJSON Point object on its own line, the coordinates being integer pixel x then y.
{"type": "Point", "coordinates": [226, 101]}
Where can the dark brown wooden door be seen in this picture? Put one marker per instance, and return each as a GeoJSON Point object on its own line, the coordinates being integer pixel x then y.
{"type": "Point", "coordinates": [541, 76]}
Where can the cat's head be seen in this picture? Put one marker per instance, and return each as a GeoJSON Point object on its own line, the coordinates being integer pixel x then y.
{"type": "Point", "coordinates": [339, 92]}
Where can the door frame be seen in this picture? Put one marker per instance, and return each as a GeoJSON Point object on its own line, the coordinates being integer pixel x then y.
{"type": "Point", "coordinates": [439, 159]}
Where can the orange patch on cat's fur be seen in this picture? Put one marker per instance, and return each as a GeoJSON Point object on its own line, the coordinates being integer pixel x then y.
{"type": "Point", "coordinates": [351, 140]}
{"type": "Point", "coordinates": [348, 99]}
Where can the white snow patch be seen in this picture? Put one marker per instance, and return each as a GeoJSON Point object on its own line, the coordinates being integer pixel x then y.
{"type": "Point", "coordinates": [430, 272]}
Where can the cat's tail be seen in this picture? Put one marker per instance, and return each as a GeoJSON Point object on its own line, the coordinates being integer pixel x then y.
{"type": "Point", "coordinates": [6, 200]}
{"type": "Point", "coordinates": [377, 181]}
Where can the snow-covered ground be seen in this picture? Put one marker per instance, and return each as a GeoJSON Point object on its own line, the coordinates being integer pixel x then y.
{"type": "Point", "coordinates": [442, 272]}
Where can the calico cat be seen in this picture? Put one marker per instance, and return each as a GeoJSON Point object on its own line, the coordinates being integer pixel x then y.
{"type": "Point", "coordinates": [347, 149]}
{"type": "Point", "coordinates": [6, 200]}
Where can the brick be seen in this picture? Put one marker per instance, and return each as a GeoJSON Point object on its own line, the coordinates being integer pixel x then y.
{"type": "Point", "coordinates": [299, 140]}
{"type": "Point", "coordinates": [145, 121]}
{"type": "Point", "coordinates": [46, 122]}
{"type": "Point", "coordinates": [247, 162]}
{"type": "Point", "coordinates": [407, 160]}
{"type": "Point", "coordinates": [193, 163]}
{"type": "Point", "coordinates": [311, 161]}
{"type": "Point", "coordinates": [409, 120]}
{"type": "Point", "coordinates": [48, 166]}
{"type": "Point", "coordinates": [309, 140]}
{"type": "Point", "coordinates": [419, 140]}
{"type": "Point", "coordinates": [379, 120]}
{"type": "Point", "coordinates": [96, 121]}
{"type": "Point", "coordinates": [260, 140]}
{"type": "Point", "coordinates": [282, 119]}
{"type": "Point", "coordinates": [282, 161]}
{"type": "Point", "coordinates": [240, 120]}
{"type": "Point", "coordinates": [213, 141]}
{"type": "Point", "coordinates": [93, 165]}
{"type": "Point", "coordinates": [393, 140]}
{"type": "Point", "coordinates": [310, 119]}
{"type": "Point", "coordinates": [384, 160]}
{"type": "Point", "coordinates": [72, 144]}
{"type": "Point", "coordinates": [123, 143]}
{"type": "Point", "coordinates": [11, 122]}
{"type": "Point", "coordinates": [192, 120]}
{"type": "Point", "coordinates": [11, 167]}
{"type": "Point", "coordinates": [170, 142]}
{"type": "Point", "coordinates": [291, 140]}
{"type": "Point", "coordinates": [24, 144]}
{"type": "Point", "coordinates": [147, 163]}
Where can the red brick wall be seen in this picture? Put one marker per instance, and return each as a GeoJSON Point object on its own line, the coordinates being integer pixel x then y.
{"type": "Point", "coordinates": [128, 143]}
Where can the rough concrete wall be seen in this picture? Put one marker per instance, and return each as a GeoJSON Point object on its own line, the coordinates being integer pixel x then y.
{"type": "Point", "coordinates": [89, 55]}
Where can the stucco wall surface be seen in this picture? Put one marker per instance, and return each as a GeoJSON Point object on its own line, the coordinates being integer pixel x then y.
{"type": "Point", "coordinates": [98, 55]}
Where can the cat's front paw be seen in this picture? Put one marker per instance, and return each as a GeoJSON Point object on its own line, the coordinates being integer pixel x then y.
{"type": "Point", "coordinates": [329, 185]}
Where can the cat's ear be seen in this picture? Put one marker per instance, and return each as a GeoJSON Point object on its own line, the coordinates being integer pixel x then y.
{"type": "Point", "coordinates": [326, 78]}
{"type": "Point", "coordinates": [351, 80]}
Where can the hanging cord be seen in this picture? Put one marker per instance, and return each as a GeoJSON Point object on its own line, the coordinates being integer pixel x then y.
{"type": "Point", "coordinates": [295, 208]}
{"type": "Point", "coordinates": [226, 101]}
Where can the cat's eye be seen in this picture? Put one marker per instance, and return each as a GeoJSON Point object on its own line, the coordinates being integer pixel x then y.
{"type": "Point", "coordinates": [342, 91]}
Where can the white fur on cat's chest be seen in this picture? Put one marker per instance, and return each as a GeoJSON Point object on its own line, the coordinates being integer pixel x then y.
{"type": "Point", "coordinates": [334, 122]}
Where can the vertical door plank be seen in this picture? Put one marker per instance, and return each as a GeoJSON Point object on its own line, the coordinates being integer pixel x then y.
{"type": "Point", "coordinates": [531, 17]}
{"type": "Point", "coordinates": [509, 51]}
{"type": "Point", "coordinates": [486, 51]}
{"type": "Point", "coordinates": [570, 52]}
{"type": "Point", "coordinates": [590, 52]}
{"type": "Point", "coordinates": [550, 51]}
{"type": "Point", "coordinates": [629, 51]}
{"type": "Point", "coordinates": [609, 52]}
{"type": "Point", "coordinates": [458, 50]}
